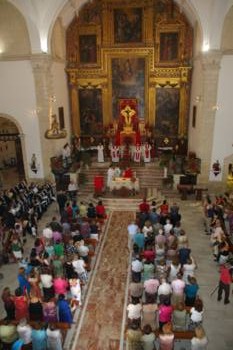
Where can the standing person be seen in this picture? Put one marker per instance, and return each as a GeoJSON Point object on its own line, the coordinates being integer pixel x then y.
{"type": "Point", "coordinates": [166, 338]}
{"type": "Point", "coordinates": [224, 283]}
{"type": "Point", "coordinates": [25, 331]}
{"type": "Point", "coordinates": [137, 153]}
{"type": "Point", "coordinates": [148, 338]}
{"type": "Point", "coordinates": [61, 200]}
{"type": "Point", "coordinates": [110, 175]}
{"type": "Point", "coordinates": [200, 341]}
{"type": "Point", "coordinates": [132, 230]}
{"type": "Point", "coordinates": [64, 311]}
{"type": "Point", "coordinates": [54, 338]}
{"type": "Point", "coordinates": [39, 337]}
{"type": "Point", "coordinates": [100, 155]}
{"type": "Point", "coordinates": [115, 154]}
{"type": "Point", "coordinates": [100, 210]}
{"type": "Point", "coordinates": [8, 334]}
{"type": "Point", "coordinates": [8, 300]}
{"type": "Point", "coordinates": [66, 155]}
{"type": "Point", "coordinates": [147, 153]}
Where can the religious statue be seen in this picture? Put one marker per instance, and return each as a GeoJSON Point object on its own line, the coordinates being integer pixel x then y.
{"type": "Point", "coordinates": [55, 132]}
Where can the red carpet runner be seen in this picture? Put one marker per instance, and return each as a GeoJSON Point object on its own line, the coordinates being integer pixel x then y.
{"type": "Point", "coordinates": [101, 326]}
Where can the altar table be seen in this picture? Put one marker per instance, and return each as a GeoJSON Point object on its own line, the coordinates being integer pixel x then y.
{"type": "Point", "coordinates": [119, 182]}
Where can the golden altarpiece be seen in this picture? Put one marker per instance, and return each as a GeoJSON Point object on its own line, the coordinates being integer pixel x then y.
{"type": "Point", "coordinates": [129, 69]}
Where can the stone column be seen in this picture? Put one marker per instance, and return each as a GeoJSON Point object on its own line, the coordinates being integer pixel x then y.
{"type": "Point", "coordinates": [210, 62]}
{"type": "Point", "coordinates": [41, 66]}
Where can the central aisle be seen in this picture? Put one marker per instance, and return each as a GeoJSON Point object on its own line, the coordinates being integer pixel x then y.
{"type": "Point", "coordinates": [101, 328]}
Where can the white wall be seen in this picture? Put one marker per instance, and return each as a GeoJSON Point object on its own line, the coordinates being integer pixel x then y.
{"type": "Point", "coordinates": [223, 131]}
{"type": "Point", "coordinates": [17, 100]}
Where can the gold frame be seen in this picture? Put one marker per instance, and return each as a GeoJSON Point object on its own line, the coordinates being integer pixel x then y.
{"type": "Point", "coordinates": [166, 29]}
{"type": "Point", "coordinates": [128, 7]}
{"type": "Point", "coordinates": [85, 31]}
{"type": "Point", "coordinates": [110, 54]}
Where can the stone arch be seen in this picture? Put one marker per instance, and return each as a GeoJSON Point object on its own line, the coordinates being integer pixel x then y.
{"type": "Point", "coordinates": [227, 34]}
{"type": "Point", "coordinates": [20, 143]}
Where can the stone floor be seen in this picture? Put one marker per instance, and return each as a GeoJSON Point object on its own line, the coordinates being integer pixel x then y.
{"type": "Point", "coordinates": [218, 318]}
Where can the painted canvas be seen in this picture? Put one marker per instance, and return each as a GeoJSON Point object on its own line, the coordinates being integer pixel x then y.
{"type": "Point", "coordinates": [167, 111]}
{"type": "Point", "coordinates": [169, 46]}
{"type": "Point", "coordinates": [90, 110]}
{"type": "Point", "coordinates": [128, 25]}
{"type": "Point", "coordinates": [128, 81]}
{"type": "Point", "coordinates": [88, 49]}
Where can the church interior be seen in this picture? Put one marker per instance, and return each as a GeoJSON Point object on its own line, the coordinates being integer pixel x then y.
{"type": "Point", "coordinates": [123, 100]}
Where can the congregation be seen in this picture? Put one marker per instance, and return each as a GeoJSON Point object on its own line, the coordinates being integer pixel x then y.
{"type": "Point", "coordinates": [164, 302]}
{"type": "Point", "coordinates": [52, 278]}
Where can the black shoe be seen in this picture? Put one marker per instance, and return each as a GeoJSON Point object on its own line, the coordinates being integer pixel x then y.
{"type": "Point", "coordinates": [227, 302]}
{"type": "Point", "coordinates": [219, 299]}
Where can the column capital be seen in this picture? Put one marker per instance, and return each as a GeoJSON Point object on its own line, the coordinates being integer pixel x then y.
{"type": "Point", "coordinates": [41, 62]}
{"type": "Point", "coordinates": [211, 60]}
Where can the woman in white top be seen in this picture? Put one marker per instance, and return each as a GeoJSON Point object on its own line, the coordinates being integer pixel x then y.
{"type": "Point", "coordinates": [200, 341]}
{"type": "Point", "coordinates": [196, 314]}
{"type": "Point", "coordinates": [54, 338]}
{"type": "Point", "coordinates": [188, 269]}
{"type": "Point", "coordinates": [134, 310]}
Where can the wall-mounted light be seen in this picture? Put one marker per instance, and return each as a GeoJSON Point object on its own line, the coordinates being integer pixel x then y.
{"type": "Point", "coordinates": [215, 108]}
{"type": "Point", "coordinates": [44, 44]}
{"type": "Point", "coordinates": [205, 46]}
{"type": "Point", "coordinates": [197, 98]}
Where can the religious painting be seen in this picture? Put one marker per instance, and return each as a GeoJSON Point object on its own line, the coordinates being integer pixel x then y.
{"type": "Point", "coordinates": [128, 25]}
{"type": "Point", "coordinates": [90, 111]}
{"type": "Point", "coordinates": [128, 82]}
{"type": "Point", "coordinates": [88, 49]}
{"type": "Point", "coordinates": [169, 46]}
{"type": "Point", "coordinates": [167, 111]}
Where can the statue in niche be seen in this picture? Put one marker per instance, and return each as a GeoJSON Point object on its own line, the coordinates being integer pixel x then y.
{"type": "Point", "coordinates": [55, 132]}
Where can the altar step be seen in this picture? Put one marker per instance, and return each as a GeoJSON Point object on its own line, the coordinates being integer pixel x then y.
{"type": "Point", "coordinates": [150, 175]}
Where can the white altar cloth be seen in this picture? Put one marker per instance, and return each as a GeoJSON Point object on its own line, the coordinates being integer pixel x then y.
{"type": "Point", "coordinates": [119, 182]}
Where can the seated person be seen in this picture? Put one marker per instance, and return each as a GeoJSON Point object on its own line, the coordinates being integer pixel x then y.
{"type": "Point", "coordinates": [128, 173]}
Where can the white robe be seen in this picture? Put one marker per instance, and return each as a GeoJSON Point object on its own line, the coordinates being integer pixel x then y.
{"type": "Point", "coordinates": [100, 156]}
{"type": "Point", "coordinates": [110, 176]}
{"type": "Point", "coordinates": [115, 154]}
{"type": "Point", "coordinates": [137, 154]}
{"type": "Point", "coordinates": [147, 153]}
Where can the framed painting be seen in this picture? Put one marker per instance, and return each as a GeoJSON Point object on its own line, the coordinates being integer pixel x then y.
{"type": "Point", "coordinates": [88, 46]}
{"type": "Point", "coordinates": [167, 111]}
{"type": "Point", "coordinates": [169, 47]}
{"type": "Point", "coordinates": [128, 24]}
{"type": "Point", "coordinates": [128, 82]}
{"type": "Point", "coordinates": [88, 49]}
{"type": "Point", "coordinates": [90, 111]}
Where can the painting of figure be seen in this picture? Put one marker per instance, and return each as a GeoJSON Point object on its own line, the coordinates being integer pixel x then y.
{"type": "Point", "coordinates": [169, 46]}
{"type": "Point", "coordinates": [128, 25]}
{"type": "Point", "coordinates": [88, 49]}
{"type": "Point", "coordinates": [128, 81]}
{"type": "Point", "coordinates": [90, 110]}
{"type": "Point", "coordinates": [167, 111]}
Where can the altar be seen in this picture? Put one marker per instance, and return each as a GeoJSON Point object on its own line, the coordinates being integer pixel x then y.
{"type": "Point", "coordinates": [131, 184]}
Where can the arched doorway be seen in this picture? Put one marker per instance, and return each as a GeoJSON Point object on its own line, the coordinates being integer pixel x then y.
{"type": "Point", "coordinates": [11, 156]}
